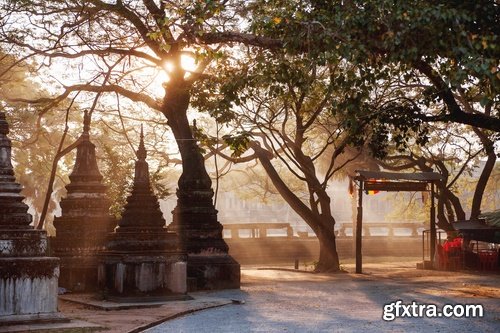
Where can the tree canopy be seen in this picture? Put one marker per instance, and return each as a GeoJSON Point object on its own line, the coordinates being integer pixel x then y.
{"type": "Point", "coordinates": [449, 48]}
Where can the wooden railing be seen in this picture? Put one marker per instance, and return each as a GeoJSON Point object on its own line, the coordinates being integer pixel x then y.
{"type": "Point", "coordinates": [260, 230]}
{"type": "Point", "coordinates": [391, 227]}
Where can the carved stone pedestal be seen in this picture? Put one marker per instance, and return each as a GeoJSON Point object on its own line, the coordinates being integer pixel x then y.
{"type": "Point", "coordinates": [143, 262]}
{"type": "Point", "coordinates": [84, 224]}
{"type": "Point", "coordinates": [28, 278]}
{"type": "Point", "coordinates": [144, 276]}
{"type": "Point", "coordinates": [28, 289]}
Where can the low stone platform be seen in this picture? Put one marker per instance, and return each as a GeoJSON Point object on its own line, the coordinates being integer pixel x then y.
{"type": "Point", "coordinates": [35, 319]}
{"type": "Point", "coordinates": [132, 317]}
{"type": "Point", "coordinates": [114, 317]}
{"type": "Point", "coordinates": [213, 271]}
{"type": "Point", "coordinates": [122, 303]}
{"type": "Point", "coordinates": [68, 326]}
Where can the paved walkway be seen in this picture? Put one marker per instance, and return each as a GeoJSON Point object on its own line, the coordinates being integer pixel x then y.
{"type": "Point", "coordinates": [281, 301]}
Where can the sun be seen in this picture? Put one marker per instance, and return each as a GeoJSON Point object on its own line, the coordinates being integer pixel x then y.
{"type": "Point", "coordinates": [188, 64]}
{"type": "Point", "coordinates": [161, 76]}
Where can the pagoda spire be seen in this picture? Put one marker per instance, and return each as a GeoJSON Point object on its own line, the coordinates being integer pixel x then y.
{"type": "Point", "coordinates": [86, 123]}
{"type": "Point", "coordinates": [142, 208]}
{"type": "Point", "coordinates": [141, 151]}
{"type": "Point", "coordinates": [85, 168]}
{"type": "Point", "coordinates": [13, 212]}
{"type": "Point", "coordinates": [141, 175]}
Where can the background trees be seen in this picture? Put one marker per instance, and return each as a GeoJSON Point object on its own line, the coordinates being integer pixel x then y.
{"type": "Point", "coordinates": [36, 134]}
{"type": "Point", "coordinates": [30, 135]}
{"type": "Point", "coordinates": [458, 155]}
{"type": "Point", "coordinates": [134, 50]}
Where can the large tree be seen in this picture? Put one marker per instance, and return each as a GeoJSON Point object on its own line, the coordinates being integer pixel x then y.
{"type": "Point", "coordinates": [290, 113]}
{"type": "Point", "coordinates": [134, 50]}
{"type": "Point", "coordinates": [440, 59]}
{"type": "Point", "coordinates": [454, 45]}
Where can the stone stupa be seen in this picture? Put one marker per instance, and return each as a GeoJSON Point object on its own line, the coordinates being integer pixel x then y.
{"type": "Point", "coordinates": [28, 277]}
{"type": "Point", "coordinates": [194, 219]}
{"type": "Point", "coordinates": [142, 258]}
{"type": "Point", "coordinates": [84, 224]}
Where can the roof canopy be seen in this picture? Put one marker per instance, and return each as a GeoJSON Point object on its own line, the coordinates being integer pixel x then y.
{"type": "Point", "coordinates": [421, 176]}
{"type": "Point", "coordinates": [478, 230]}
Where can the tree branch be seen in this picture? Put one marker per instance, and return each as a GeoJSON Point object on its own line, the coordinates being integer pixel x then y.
{"type": "Point", "coordinates": [456, 114]}
{"type": "Point", "coordinates": [239, 37]}
{"type": "Point", "coordinates": [134, 96]}
{"type": "Point", "coordinates": [124, 12]}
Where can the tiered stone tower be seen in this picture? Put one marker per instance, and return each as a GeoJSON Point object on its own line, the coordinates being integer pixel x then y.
{"type": "Point", "coordinates": [195, 221]}
{"type": "Point", "coordinates": [142, 257]}
{"type": "Point", "coordinates": [28, 278]}
{"type": "Point", "coordinates": [84, 224]}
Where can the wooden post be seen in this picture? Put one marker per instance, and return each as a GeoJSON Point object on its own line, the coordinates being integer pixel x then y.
{"type": "Point", "coordinates": [359, 229]}
{"type": "Point", "coordinates": [433, 226]}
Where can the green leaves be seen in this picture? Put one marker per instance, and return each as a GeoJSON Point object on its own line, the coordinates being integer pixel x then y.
{"type": "Point", "coordinates": [238, 142]}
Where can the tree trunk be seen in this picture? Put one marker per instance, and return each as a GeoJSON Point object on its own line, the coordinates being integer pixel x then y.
{"type": "Point", "coordinates": [481, 185]}
{"type": "Point", "coordinates": [175, 105]}
{"type": "Point", "coordinates": [450, 211]}
{"type": "Point", "coordinates": [322, 225]}
{"type": "Point", "coordinates": [328, 257]}
{"type": "Point", "coordinates": [445, 195]}
{"type": "Point", "coordinates": [485, 174]}
{"type": "Point", "coordinates": [194, 217]}
{"type": "Point", "coordinates": [442, 220]}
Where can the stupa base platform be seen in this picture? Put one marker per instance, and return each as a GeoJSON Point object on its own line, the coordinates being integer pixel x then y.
{"type": "Point", "coordinates": [139, 276]}
{"type": "Point", "coordinates": [213, 271]}
{"type": "Point", "coordinates": [28, 319]}
{"type": "Point", "coordinates": [28, 287]}
{"type": "Point", "coordinates": [168, 297]}
{"type": "Point", "coordinates": [79, 273]}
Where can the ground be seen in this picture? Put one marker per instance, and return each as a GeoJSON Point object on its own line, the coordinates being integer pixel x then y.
{"type": "Point", "coordinates": [283, 300]}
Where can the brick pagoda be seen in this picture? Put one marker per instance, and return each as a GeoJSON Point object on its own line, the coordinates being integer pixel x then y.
{"type": "Point", "coordinates": [84, 224]}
